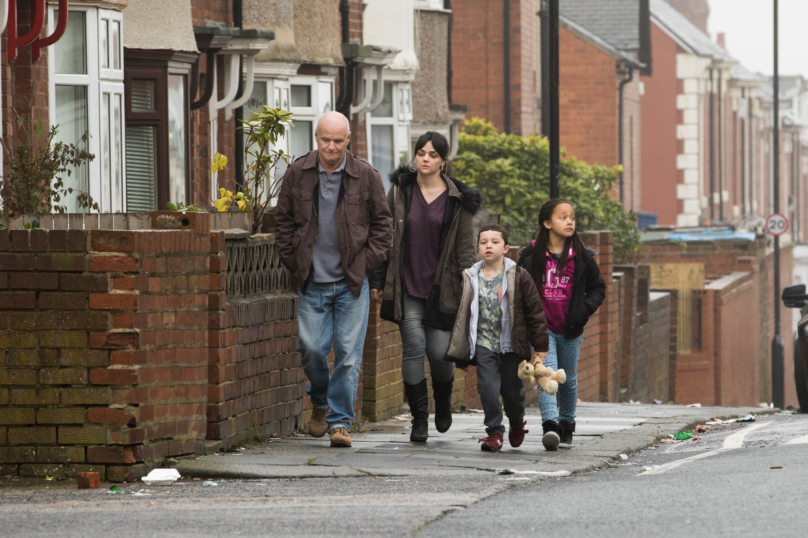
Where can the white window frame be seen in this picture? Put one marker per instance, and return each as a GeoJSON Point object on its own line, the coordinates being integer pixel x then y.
{"type": "Point", "coordinates": [400, 120]}
{"type": "Point", "coordinates": [432, 5]}
{"type": "Point", "coordinates": [279, 95]}
{"type": "Point", "coordinates": [98, 82]}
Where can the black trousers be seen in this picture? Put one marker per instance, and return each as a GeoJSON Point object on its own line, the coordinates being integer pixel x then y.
{"type": "Point", "coordinates": [497, 375]}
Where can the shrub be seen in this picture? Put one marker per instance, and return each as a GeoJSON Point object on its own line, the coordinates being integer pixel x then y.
{"type": "Point", "coordinates": [513, 174]}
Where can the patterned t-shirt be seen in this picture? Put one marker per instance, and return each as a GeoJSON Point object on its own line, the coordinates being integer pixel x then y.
{"type": "Point", "coordinates": [489, 323]}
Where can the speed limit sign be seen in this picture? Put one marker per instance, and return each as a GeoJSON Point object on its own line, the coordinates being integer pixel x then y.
{"type": "Point", "coordinates": [776, 224]}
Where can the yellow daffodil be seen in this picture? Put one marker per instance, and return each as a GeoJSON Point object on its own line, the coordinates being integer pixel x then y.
{"type": "Point", "coordinates": [219, 162]}
{"type": "Point", "coordinates": [221, 204]}
{"type": "Point", "coordinates": [241, 204]}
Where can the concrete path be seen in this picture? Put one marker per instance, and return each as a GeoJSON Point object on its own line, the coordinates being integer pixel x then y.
{"type": "Point", "coordinates": [604, 431]}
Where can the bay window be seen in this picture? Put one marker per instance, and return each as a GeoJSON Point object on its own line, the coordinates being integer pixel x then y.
{"type": "Point", "coordinates": [157, 109]}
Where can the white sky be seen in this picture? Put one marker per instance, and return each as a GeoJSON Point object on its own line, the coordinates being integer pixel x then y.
{"type": "Point", "coordinates": [748, 28]}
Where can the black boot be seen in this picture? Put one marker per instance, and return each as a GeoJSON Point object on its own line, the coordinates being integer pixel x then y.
{"type": "Point", "coordinates": [551, 436]}
{"type": "Point", "coordinates": [443, 404]}
{"type": "Point", "coordinates": [418, 398]}
{"type": "Point", "coordinates": [567, 429]}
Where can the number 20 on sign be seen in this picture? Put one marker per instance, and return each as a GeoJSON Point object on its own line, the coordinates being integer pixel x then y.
{"type": "Point", "coordinates": [776, 224]}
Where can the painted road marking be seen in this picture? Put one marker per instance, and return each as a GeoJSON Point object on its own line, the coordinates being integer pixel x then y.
{"type": "Point", "coordinates": [798, 441]}
{"type": "Point", "coordinates": [732, 442]}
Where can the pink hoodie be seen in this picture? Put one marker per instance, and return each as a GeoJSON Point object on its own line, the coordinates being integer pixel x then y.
{"type": "Point", "coordinates": [556, 292]}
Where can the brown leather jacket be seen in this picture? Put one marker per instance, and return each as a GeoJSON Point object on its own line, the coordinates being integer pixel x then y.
{"type": "Point", "coordinates": [458, 250]}
{"type": "Point", "coordinates": [528, 325]}
{"type": "Point", "coordinates": [364, 224]}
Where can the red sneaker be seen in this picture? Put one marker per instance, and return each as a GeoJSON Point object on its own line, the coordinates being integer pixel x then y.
{"type": "Point", "coordinates": [516, 435]}
{"type": "Point", "coordinates": [492, 443]}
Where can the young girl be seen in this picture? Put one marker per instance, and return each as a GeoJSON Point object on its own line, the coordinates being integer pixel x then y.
{"type": "Point", "coordinates": [571, 290]}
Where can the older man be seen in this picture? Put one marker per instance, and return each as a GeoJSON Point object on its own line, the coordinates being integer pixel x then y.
{"type": "Point", "coordinates": [332, 229]}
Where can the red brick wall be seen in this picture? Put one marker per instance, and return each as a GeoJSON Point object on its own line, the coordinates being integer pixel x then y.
{"type": "Point", "coordinates": [383, 391]}
{"type": "Point", "coordinates": [597, 360]}
{"type": "Point", "coordinates": [256, 385]}
{"type": "Point", "coordinates": [723, 258]}
{"type": "Point", "coordinates": [588, 89]}
{"type": "Point", "coordinates": [660, 117]}
{"type": "Point", "coordinates": [104, 340]}
{"type": "Point", "coordinates": [478, 65]}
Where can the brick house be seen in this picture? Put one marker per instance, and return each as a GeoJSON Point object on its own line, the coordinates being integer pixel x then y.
{"type": "Point", "coordinates": [711, 122]}
{"type": "Point", "coordinates": [598, 52]}
{"type": "Point", "coordinates": [496, 72]}
{"type": "Point", "coordinates": [604, 49]}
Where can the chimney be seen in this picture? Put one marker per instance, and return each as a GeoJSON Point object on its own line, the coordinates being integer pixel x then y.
{"type": "Point", "coordinates": [721, 40]}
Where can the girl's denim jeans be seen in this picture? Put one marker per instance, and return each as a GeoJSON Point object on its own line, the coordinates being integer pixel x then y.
{"type": "Point", "coordinates": [563, 354]}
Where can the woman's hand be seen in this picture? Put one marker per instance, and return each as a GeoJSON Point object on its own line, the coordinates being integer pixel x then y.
{"type": "Point", "coordinates": [376, 295]}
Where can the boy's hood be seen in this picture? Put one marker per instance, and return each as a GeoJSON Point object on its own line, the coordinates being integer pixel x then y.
{"type": "Point", "coordinates": [474, 271]}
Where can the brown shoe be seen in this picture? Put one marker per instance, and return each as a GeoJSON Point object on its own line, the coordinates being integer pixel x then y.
{"type": "Point", "coordinates": [340, 437]}
{"type": "Point", "coordinates": [317, 424]}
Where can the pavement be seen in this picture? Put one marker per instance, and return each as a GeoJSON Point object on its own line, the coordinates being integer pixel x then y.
{"type": "Point", "coordinates": [604, 431]}
{"type": "Point", "coordinates": [382, 486]}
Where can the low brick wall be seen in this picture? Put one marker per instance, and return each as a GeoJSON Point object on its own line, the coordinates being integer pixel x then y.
{"type": "Point", "coordinates": [383, 388]}
{"type": "Point", "coordinates": [103, 349]}
{"type": "Point", "coordinates": [256, 384]}
{"type": "Point", "coordinates": [597, 360]}
{"type": "Point", "coordinates": [722, 370]}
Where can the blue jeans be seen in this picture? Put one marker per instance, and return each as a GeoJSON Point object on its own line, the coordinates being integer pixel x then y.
{"type": "Point", "coordinates": [563, 354]}
{"type": "Point", "coordinates": [326, 314]}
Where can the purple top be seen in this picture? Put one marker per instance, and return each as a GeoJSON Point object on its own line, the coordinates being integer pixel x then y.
{"type": "Point", "coordinates": [556, 292]}
{"type": "Point", "coordinates": [423, 242]}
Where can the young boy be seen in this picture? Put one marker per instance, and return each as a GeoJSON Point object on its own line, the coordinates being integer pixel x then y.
{"type": "Point", "coordinates": [499, 318]}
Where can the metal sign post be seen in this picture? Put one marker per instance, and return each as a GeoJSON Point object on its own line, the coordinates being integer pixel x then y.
{"type": "Point", "coordinates": [778, 352]}
{"type": "Point", "coordinates": [555, 144]}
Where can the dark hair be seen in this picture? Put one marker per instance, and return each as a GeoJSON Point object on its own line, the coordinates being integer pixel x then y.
{"type": "Point", "coordinates": [439, 142]}
{"type": "Point", "coordinates": [494, 228]}
{"type": "Point", "coordinates": [543, 241]}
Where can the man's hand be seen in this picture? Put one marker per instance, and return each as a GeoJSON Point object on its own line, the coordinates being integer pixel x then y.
{"type": "Point", "coordinates": [376, 295]}
{"type": "Point", "coordinates": [539, 356]}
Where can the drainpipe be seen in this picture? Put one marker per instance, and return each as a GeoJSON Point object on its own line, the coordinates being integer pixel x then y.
{"type": "Point", "coordinates": [751, 160]}
{"type": "Point", "coordinates": [743, 154]}
{"type": "Point", "coordinates": [506, 49]}
{"type": "Point", "coordinates": [720, 146]}
{"type": "Point", "coordinates": [544, 15]}
{"type": "Point", "coordinates": [621, 127]}
{"type": "Point", "coordinates": [712, 145]}
{"type": "Point", "coordinates": [449, 74]}
{"type": "Point", "coordinates": [238, 22]}
{"type": "Point", "coordinates": [346, 74]}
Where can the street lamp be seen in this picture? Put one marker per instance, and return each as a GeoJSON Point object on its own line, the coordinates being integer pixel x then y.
{"type": "Point", "coordinates": [778, 374]}
{"type": "Point", "coordinates": [549, 87]}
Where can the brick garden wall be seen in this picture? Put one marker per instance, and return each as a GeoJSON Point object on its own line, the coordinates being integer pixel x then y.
{"type": "Point", "coordinates": [721, 258]}
{"type": "Point", "coordinates": [103, 349]}
{"type": "Point", "coordinates": [256, 384]}
{"type": "Point", "coordinates": [598, 359]}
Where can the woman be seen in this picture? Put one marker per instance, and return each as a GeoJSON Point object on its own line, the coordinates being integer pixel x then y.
{"type": "Point", "coordinates": [419, 286]}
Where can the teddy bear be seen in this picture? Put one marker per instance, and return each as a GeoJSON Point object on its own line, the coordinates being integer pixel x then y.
{"type": "Point", "coordinates": [539, 374]}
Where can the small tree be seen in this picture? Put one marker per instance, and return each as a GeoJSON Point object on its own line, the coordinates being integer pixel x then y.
{"type": "Point", "coordinates": [262, 130]}
{"type": "Point", "coordinates": [513, 173]}
{"type": "Point", "coordinates": [35, 179]}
